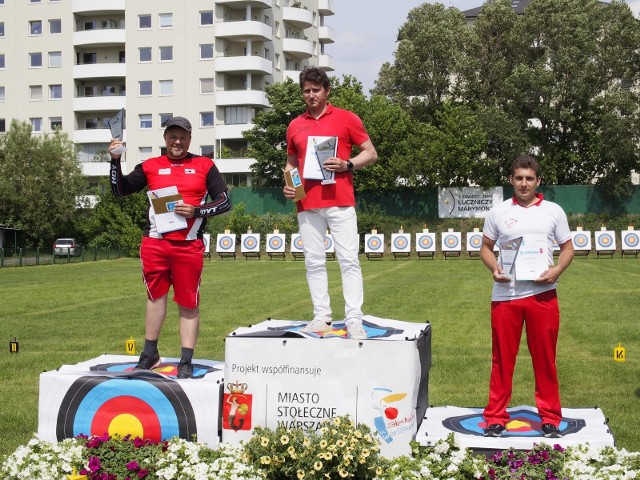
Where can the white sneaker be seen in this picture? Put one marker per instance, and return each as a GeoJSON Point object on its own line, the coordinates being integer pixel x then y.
{"type": "Point", "coordinates": [355, 328]}
{"type": "Point", "coordinates": [317, 326]}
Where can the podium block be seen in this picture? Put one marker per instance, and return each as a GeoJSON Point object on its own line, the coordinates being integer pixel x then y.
{"type": "Point", "coordinates": [276, 375]}
{"type": "Point", "coordinates": [105, 395]}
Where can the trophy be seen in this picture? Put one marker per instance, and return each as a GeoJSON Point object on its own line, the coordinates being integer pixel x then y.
{"type": "Point", "coordinates": [116, 126]}
{"type": "Point", "coordinates": [324, 151]}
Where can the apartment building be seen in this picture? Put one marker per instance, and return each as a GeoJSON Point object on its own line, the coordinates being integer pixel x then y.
{"type": "Point", "coordinates": [74, 64]}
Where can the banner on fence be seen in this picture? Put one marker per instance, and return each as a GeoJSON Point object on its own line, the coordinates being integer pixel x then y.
{"type": "Point", "coordinates": [467, 202]}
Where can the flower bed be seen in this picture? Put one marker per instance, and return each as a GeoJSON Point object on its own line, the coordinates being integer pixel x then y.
{"type": "Point", "coordinates": [340, 449]}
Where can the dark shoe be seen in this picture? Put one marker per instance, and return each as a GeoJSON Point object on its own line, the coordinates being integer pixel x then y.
{"type": "Point", "coordinates": [148, 362]}
{"type": "Point", "coordinates": [551, 431]}
{"type": "Point", "coordinates": [185, 370]}
{"type": "Point", "coordinates": [494, 430]}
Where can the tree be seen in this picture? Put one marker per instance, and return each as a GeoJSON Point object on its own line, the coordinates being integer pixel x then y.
{"type": "Point", "coordinates": [40, 183]}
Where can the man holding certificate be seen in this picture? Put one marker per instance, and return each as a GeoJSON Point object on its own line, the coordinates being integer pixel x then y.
{"type": "Point", "coordinates": [172, 248]}
{"type": "Point", "coordinates": [524, 291]}
{"type": "Point", "coordinates": [319, 146]}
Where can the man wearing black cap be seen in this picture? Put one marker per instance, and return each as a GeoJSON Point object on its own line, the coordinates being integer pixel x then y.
{"type": "Point", "coordinates": [173, 257]}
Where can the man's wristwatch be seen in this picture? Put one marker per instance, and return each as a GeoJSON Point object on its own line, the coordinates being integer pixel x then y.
{"type": "Point", "coordinates": [349, 165]}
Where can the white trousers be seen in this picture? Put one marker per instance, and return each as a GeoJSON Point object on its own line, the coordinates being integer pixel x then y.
{"type": "Point", "coordinates": [343, 225]}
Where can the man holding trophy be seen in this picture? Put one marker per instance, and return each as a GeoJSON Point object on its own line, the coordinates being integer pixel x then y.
{"type": "Point", "coordinates": [319, 150]}
{"type": "Point", "coordinates": [524, 291]}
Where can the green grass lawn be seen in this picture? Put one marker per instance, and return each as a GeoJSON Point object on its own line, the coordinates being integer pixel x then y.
{"type": "Point", "coordinates": [64, 314]}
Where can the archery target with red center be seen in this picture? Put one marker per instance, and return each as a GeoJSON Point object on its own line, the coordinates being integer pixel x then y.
{"type": "Point", "coordinates": [328, 244]}
{"type": "Point", "coordinates": [374, 243]}
{"type": "Point", "coordinates": [450, 241]}
{"type": "Point", "coordinates": [225, 242]}
{"type": "Point", "coordinates": [275, 243]}
{"type": "Point", "coordinates": [425, 242]}
{"type": "Point", "coordinates": [250, 242]}
{"type": "Point", "coordinates": [605, 240]}
{"type": "Point", "coordinates": [147, 407]}
{"type": "Point", "coordinates": [168, 369]}
{"type": "Point", "coordinates": [474, 241]}
{"type": "Point", "coordinates": [400, 242]}
{"type": "Point", "coordinates": [630, 240]}
{"type": "Point", "coordinates": [297, 243]}
{"type": "Point", "coordinates": [581, 240]}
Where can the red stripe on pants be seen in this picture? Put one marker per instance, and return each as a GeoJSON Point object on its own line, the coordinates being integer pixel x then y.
{"type": "Point", "coordinates": [541, 315]}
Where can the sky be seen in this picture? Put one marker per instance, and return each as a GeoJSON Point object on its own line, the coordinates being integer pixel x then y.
{"type": "Point", "coordinates": [365, 32]}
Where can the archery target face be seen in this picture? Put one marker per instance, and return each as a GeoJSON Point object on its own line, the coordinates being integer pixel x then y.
{"type": "Point", "coordinates": [474, 241]}
{"type": "Point", "coordinates": [425, 242]}
{"type": "Point", "coordinates": [450, 241]}
{"type": "Point", "coordinates": [630, 240]}
{"type": "Point", "coordinates": [275, 243]}
{"type": "Point", "coordinates": [296, 243]}
{"type": "Point", "coordinates": [328, 244]}
{"type": "Point", "coordinates": [374, 243]}
{"type": "Point", "coordinates": [225, 243]}
{"type": "Point", "coordinates": [147, 407]}
{"type": "Point", "coordinates": [250, 243]}
{"type": "Point", "coordinates": [581, 240]}
{"type": "Point", "coordinates": [604, 240]}
{"type": "Point", "coordinates": [400, 243]}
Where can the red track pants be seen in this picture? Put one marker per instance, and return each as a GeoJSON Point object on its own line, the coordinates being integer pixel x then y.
{"type": "Point", "coordinates": [541, 315]}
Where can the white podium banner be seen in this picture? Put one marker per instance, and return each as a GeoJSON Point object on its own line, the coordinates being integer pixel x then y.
{"type": "Point", "coordinates": [276, 375]}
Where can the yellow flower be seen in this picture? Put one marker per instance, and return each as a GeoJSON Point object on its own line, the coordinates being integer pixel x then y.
{"type": "Point", "coordinates": [301, 474]}
{"type": "Point", "coordinates": [336, 422]}
{"type": "Point", "coordinates": [306, 442]}
{"type": "Point", "coordinates": [343, 473]}
{"type": "Point", "coordinates": [284, 439]}
{"type": "Point", "coordinates": [265, 460]}
{"type": "Point", "coordinates": [358, 434]}
{"type": "Point", "coordinates": [368, 438]}
{"type": "Point", "coordinates": [365, 452]}
{"type": "Point", "coordinates": [323, 444]}
{"type": "Point", "coordinates": [317, 466]}
{"type": "Point", "coordinates": [340, 443]}
{"type": "Point", "coordinates": [292, 452]}
{"type": "Point", "coordinates": [378, 470]}
{"type": "Point", "coordinates": [328, 456]}
{"type": "Point", "coordinates": [264, 441]}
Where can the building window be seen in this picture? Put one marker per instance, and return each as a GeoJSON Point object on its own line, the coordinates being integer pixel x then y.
{"type": "Point", "coordinates": [206, 85]}
{"type": "Point", "coordinates": [2, 93]}
{"type": "Point", "coordinates": [146, 88]}
{"type": "Point", "coordinates": [35, 92]}
{"type": "Point", "coordinates": [236, 115]}
{"type": "Point", "coordinates": [144, 153]}
{"type": "Point", "coordinates": [144, 54]}
{"type": "Point", "coordinates": [206, 18]}
{"type": "Point", "coordinates": [35, 59]}
{"type": "Point", "coordinates": [166, 87]}
{"type": "Point", "coordinates": [55, 123]}
{"type": "Point", "coordinates": [1, 29]}
{"type": "Point", "coordinates": [166, 54]}
{"type": "Point", "coordinates": [206, 119]}
{"type": "Point", "coordinates": [122, 56]}
{"type": "Point", "coordinates": [35, 27]}
{"type": "Point", "coordinates": [35, 1]}
{"type": "Point", "coordinates": [108, 91]}
{"type": "Point", "coordinates": [206, 51]}
{"type": "Point", "coordinates": [164, 117]}
{"type": "Point", "coordinates": [55, 59]}
{"type": "Point", "coordinates": [145, 120]}
{"type": "Point", "coordinates": [206, 151]}
{"type": "Point", "coordinates": [2, 61]}
{"type": "Point", "coordinates": [55, 26]}
{"type": "Point", "coordinates": [89, 58]}
{"type": "Point", "coordinates": [55, 92]}
{"type": "Point", "coordinates": [36, 125]}
{"type": "Point", "coordinates": [3, 125]}
{"type": "Point", "coordinates": [144, 21]}
{"type": "Point", "coordinates": [165, 20]}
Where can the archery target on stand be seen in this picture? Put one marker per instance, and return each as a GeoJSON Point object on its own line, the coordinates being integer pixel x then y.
{"type": "Point", "coordinates": [425, 242]}
{"type": "Point", "coordinates": [206, 239]}
{"type": "Point", "coordinates": [581, 240]}
{"type": "Point", "coordinates": [605, 240]}
{"type": "Point", "coordinates": [474, 241]}
{"type": "Point", "coordinates": [142, 406]}
{"type": "Point", "coordinates": [226, 243]}
{"type": "Point", "coordinates": [250, 243]}
{"type": "Point", "coordinates": [400, 243]}
{"type": "Point", "coordinates": [275, 243]}
{"type": "Point", "coordinates": [374, 243]}
{"type": "Point", "coordinates": [296, 243]}
{"type": "Point", "coordinates": [630, 239]}
{"type": "Point", "coordinates": [329, 246]}
{"type": "Point", "coordinates": [451, 242]}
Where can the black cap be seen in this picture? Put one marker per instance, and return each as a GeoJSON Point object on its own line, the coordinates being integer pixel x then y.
{"type": "Point", "coordinates": [178, 122]}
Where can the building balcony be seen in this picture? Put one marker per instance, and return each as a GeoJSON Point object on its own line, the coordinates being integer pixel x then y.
{"type": "Point", "coordinates": [297, 17]}
{"type": "Point", "coordinates": [232, 132]}
{"type": "Point", "coordinates": [234, 165]}
{"type": "Point", "coordinates": [325, 34]}
{"type": "Point", "coordinates": [244, 63]}
{"type": "Point", "coordinates": [325, 7]}
{"type": "Point", "coordinates": [92, 135]}
{"type": "Point", "coordinates": [103, 37]}
{"type": "Point", "coordinates": [254, 98]}
{"type": "Point", "coordinates": [95, 169]}
{"type": "Point", "coordinates": [292, 74]}
{"type": "Point", "coordinates": [248, 29]}
{"type": "Point", "coordinates": [97, 6]}
{"type": "Point", "coordinates": [98, 104]}
{"type": "Point", "coordinates": [100, 70]}
{"type": "Point", "coordinates": [327, 63]}
{"type": "Point", "coordinates": [297, 47]}
{"type": "Point", "coordinates": [243, 3]}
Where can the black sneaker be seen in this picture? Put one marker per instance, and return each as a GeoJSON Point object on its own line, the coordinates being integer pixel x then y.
{"type": "Point", "coordinates": [185, 370]}
{"type": "Point", "coordinates": [551, 431]}
{"type": "Point", "coordinates": [494, 430]}
{"type": "Point", "coordinates": [148, 362]}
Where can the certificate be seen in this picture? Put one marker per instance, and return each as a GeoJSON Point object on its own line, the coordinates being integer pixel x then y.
{"type": "Point", "coordinates": [508, 254]}
{"type": "Point", "coordinates": [163, 202]}
{"type": "Point", "coordinates": [319, 149]}
{"type": "Point", "coordinates": [533, 257]}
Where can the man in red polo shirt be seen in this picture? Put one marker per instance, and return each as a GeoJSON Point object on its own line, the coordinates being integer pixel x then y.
{"type": "Point", "coordinates": [173, 257]}
{"type": "Point", "coordinates": [515, 301]}
{"type": "Point", "coordinates": [329, 206]}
